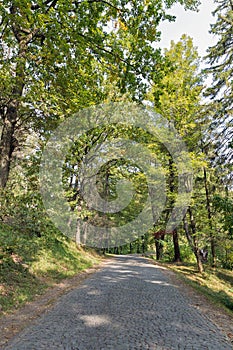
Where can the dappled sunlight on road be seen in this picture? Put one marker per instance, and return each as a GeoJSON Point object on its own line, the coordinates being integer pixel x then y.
{"type": "Point", "coordinates": [95, 320]}
{"type": "Point", "coordinates": [129, 304]}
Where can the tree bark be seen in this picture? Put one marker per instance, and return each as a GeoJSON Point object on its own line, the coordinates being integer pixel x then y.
{"type": "Point", "coordinates": [11, 115]}
{"type": "Point", "coordinates": [130, 248]}
{"type": "Point", "coordinates": [10, 118]}
{"type": "Point", "coordinates": [172, 187]}
{"type": "Point", "coordinates": [6, 143]}
{"type": "Point", "coordinates": [159, 248]}
{"type": "Point", "coordinates": [192, 240]}
{"type": "Point", "coordinates": [212, 239]}
{"type": "Point", "coordinates": [177, 257]}
{"type": "Point", "coordinates": [158, 245]}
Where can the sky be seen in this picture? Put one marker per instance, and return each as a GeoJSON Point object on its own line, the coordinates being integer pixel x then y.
{"type": "Point", "coordinates": [195, 24]}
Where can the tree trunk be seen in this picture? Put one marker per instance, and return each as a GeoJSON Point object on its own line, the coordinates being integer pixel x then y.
{"type": "Point", "coordinates": [159, 247]}
{"type": "Point", "coordinates": [10, 117]}
{"type": "Point", "coordinates": [177, 257]}
{"type": "Point", "coordinates": [191, 237]}
{"type": "Point", "coordinates": [212, 239]}
{"type": "Point", "coordinates": [138, 246]}
{"type": "Point", "coordinates": [130, 248]}
{"type": "Point", "coordinates": [7, 143]}
{"type": "Point", "coordinates": [172, 187]}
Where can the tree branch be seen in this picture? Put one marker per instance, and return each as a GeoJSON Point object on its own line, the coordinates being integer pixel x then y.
{"type": "Point", "coordinates": [36, 6]}
{"type": "Point", "coordinates": [4, 29]}
{"type": "Point", "coordinates": [101, 1]}
{"type": "Point", "coordinates": [105, 50]}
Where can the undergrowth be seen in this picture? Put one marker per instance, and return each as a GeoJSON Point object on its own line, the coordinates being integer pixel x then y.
{"type": "Point", "coordinates": [30, 263]}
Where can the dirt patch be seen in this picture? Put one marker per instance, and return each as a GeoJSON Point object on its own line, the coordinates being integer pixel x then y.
{"type": "Point", "coordinates": [15, 322]}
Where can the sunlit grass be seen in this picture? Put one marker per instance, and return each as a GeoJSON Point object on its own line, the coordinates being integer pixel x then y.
{"type": "Point", "coordinates": [28, 265]}
{"type": "Point", "coordinates": [216, 284]}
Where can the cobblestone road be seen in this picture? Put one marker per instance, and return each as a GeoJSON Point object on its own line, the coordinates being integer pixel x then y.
{"type": "Point", "coordinates": [130, 304]}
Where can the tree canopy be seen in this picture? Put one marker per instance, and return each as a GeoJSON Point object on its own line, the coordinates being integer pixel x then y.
{"type": "Point", "coordinates": [59, 57]}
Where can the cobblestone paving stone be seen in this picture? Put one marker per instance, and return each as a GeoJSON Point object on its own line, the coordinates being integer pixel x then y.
{"type": "Point", "coordinates": [129, 305]}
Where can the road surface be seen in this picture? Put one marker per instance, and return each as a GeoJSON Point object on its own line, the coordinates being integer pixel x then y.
{"type": "Point", "coordinates": [128, 305]}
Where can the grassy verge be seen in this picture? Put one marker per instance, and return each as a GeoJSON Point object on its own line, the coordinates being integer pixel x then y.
{"type": "Point", "coordinates": [216, 284]}
{"type": "Point", "coordinates": [30, 264]}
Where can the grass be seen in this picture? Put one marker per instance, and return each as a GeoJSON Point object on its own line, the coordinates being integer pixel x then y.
{"type": "Point", "coordinates": [215, 284]}
{"type": "Point", "coordinates": [30, 264]}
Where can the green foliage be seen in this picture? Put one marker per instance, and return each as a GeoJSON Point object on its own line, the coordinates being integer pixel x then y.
{"type": "Point", "coordinates": [33, 253]}
{"type": "Point", "coordinates": [177, 95]}
{"type": "Point", "coordinates": [220, 57]}
{"type": "Point", "coordinates": [225, 206]}
{"type": "Point", "coordinates": [67, 49]}
{"type": "Point", "coordinates": [58, 57]}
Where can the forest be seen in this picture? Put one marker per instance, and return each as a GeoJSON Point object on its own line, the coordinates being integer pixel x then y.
{"type": "Point", "coordinates": [65, 61]}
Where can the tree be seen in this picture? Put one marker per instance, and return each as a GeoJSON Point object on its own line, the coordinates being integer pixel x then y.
{"type": "Point", "coordinates": [177, 98]}
{"type": "Point", "coordinates": [114, 172]}
{"type": "Point", "coordinates": [191, 234]}
{"type": "Point", "coordinates": [220, 58]}
{"type": "Point", "coordinates": [54, 56]}
{"type": "Point", "coordinates": [219, 110]}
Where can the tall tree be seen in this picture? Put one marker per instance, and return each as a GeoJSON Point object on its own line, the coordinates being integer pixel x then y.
{"type": "Point", "coordinates": [177, 98]}
{"type": "Point", "coordinates": [220, 58]}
